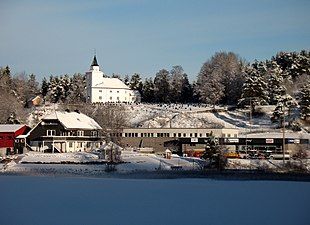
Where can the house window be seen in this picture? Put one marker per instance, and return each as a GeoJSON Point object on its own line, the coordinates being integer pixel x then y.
{"type": "Point", "coordinates": [111, 91]}
{"type": "Point", "coordinates": [50, 132]}
{"type": "Point", "coordinates": [100, 90]}
{"type": "Point", "coordinates": [117, 98]}
{"type": "Point", "coordinates": [94, 133]}
{"type": "Point", "coordinates": [80, 133]}
{"type": "Point", "coordinates": [70, 144]}
{"type": "Point", "coordinates": [80, 144]}
{"type": "Point", "coordinates": [117, 91]}
{"type": "Point", "coordinates": [111, 98]}
{"type": "Point", "coordinates": [100, 97]}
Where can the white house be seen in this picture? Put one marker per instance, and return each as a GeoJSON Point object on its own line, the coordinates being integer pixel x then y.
{"type": "Point", "coordinates": [104, 89]}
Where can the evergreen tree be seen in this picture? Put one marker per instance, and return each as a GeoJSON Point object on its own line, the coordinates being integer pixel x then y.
{"type": "Point", "coordinates": [285, 104]}
{"type": "Point", "coordinates": [126, 80]}
{"type": "Point", "coordinates": [275, 82]}
{"type": "Point", "coordinates": [162, 86]}
{"type": "Point", "coordinates": [44, 87]}
{"type": "Point", "coordinates": [148, 93]}
{"type": "Point", "coordinates": [77, 93]}
{"type": "Point", "coordinates": [6, 79]}
{"type": "Point", "coordinates": [255, 89]}
{"type": "Point", "coordinates": [136, 83]}
{"type": "Point", "coordinates": [116, 76]}
{"type": "Point", "coordinates": [304, 102]}
{"type": "Point", "coordinates": [186, 90]}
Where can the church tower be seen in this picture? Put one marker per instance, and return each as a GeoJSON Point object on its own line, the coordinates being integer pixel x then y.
{"type": "Point", "coordinates": [93, 78]}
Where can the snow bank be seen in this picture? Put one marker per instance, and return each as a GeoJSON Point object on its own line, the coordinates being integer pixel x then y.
{"type": "Point", "coordinates": [78, 157]}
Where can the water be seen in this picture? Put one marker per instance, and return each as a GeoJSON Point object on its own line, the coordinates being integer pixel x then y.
{"type": "Point", "coordinates": [91, 201]}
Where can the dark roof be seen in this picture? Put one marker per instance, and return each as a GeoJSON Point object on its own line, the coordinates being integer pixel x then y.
{"type": "Point", "coordinates": [94, 63]}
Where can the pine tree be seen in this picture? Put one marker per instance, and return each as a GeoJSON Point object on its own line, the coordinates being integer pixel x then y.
{"type": "Point", "coordinates": [126, 80]}
{"type": "Point", "coordinates": [6, 79]}
{"type": "Point", "coordinates": [283, 109]}
{"type": "Point", "coordinates": [44, 87]}
{"type": "Point", "coordinates": [186, 90]}
{"type": "Point", "coordinates": [255, 89]}
{"type": "Point", "coordinates": [135, 82]}
{"type": "Point", "coordinates": [162, 86]}
{"type": "Point", "coordinates": [275, 82]}
{"type": "Point", "coordinates": [304, 102]}
{"type": "Point", "coordinates": [148, 93]}
{"type": "Point", "coordinates": [77, 93]}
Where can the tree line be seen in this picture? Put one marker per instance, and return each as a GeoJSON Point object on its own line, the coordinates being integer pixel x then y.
{"type": "Point", "coordinates": [224, 79]}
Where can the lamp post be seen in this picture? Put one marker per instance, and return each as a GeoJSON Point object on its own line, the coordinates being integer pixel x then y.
{"type": "Point", "coordinates": [283, 134]}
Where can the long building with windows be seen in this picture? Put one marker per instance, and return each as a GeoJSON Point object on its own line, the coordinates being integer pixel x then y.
{"type": "Point", "coordinates": [156, 137]}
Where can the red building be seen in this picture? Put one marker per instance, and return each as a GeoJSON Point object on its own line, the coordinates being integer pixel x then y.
{"type": "Point", "coordinates": [8, 134]}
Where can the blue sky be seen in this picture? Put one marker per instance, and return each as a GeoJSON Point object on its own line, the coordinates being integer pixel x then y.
{"type": "Point", "coordinates": [59, 37]}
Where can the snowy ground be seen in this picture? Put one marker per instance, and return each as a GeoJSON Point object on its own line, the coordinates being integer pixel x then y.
{"type": "Point", "coordinates": [80, 201]}
{"type": "Point", "coordinates": [91, 165]}
{"type": "Point", "coordinates": [189, 116]}
{"type": "Point", "coordinates": [39, 163]}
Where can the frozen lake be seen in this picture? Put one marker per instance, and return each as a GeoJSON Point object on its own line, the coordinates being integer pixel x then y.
{"type": "Point", "coordinates": [91, 201]}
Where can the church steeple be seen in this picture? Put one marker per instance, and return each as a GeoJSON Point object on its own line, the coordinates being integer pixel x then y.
{"type": "Point", "coordinates": [94, 63]}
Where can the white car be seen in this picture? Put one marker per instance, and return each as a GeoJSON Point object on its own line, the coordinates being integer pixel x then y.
{"type": "Point", "coordinates": [278, 156]}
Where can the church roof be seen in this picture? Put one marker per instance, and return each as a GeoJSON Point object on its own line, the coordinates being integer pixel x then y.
{"type": "Point", "coordinates": [94, 63]}
{"type": "Point", "coordinates": [113, 83]}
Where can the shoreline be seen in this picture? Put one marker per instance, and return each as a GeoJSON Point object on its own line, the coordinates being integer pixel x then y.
{"type": "Point", "coordinates": [233, 175]}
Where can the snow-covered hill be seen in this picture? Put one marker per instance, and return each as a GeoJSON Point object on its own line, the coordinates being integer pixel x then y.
{"type": "Point", "coordinates": [185, 116]}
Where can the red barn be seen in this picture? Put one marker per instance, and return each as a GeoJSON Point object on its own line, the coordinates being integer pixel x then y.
{"type": "Point", "coordinates": [8, 133]}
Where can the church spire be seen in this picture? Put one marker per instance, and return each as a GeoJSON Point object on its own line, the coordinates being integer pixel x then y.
{"type": "Point", "coordinates": [94, 63]}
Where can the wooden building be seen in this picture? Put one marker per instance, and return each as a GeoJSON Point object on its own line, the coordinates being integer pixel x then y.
{"type": "Point", "coordinates": [64, 132]}
{"type": "Point", "coordinates": [8, 134]}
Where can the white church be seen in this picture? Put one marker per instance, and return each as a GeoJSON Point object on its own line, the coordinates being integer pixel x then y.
{"type": "Point", "coordinates": [102, 89]}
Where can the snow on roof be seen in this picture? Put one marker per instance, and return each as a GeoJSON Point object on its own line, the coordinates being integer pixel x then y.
{"type": "Point", "coordinates": [112, 83]}
{"type": "Point", "coordinates": [74, 120]}
{"type": "Point", "coordinates": [10, 127]}
{"type": "Point", "coordinates": [293, 135]}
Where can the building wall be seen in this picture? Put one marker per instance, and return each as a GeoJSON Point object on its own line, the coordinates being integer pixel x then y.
{"type": "Point", "coordinates": [156, 137]}
{"type": "Point", "coordinates": [112, 95]}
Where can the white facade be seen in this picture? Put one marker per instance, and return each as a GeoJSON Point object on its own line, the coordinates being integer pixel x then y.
{"type": "Point", "coordinates": [102, 89]}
